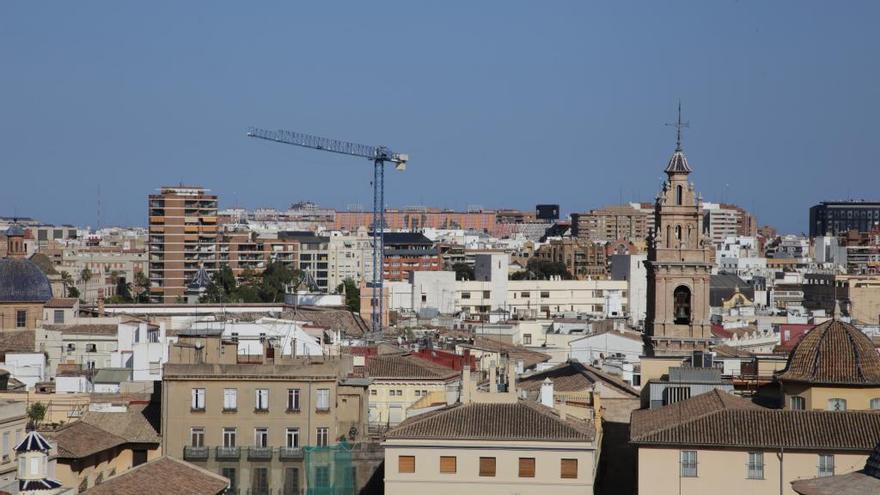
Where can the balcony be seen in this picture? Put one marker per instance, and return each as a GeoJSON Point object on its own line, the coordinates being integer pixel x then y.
{"type": "Point", "coordinates": [227, 453]}
{"type": "Point", "coordinates": [195, 453]}
{"type": "Point", "coordinates": [290, 453]}
{"type": "Point", "coordinates": [259, 454]}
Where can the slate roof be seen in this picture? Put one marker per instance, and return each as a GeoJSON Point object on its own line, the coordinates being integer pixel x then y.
{"type": "Point", "coordinates": [405, 238]}
{"type": "Point", "coordinates": [407, 367]}
{"type": "Point", "coordinates": [79, 439]}
{"type": "Point", "coordinates": [574, 377]}
{"type": "Point", "coordinates": [678, 163]}
{"type": "Point", "coordinates": [164, 475]}
{"type": "Point", "coordinates": [33, 441]}
{"type": "Point", "coordinates": [23, 281]}
{"type": "Point", "coordinates": [522, 420]}
{"type": "Point", "coordinates": [833, 353]}
{"type": "Point", "coordinates": [719, 419]}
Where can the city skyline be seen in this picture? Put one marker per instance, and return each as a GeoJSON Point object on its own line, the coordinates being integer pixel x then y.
{"type": "Point", "coordinates": [535, 105]}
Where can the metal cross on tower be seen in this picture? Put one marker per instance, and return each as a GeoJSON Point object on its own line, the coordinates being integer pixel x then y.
{"type": "Point", "coordinates": [679, 125]}
{"type": "Point", "coordinates": [379, 155]}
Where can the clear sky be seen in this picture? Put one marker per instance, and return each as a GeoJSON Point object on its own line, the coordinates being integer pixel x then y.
{"type": "Point", "coordinates": [499, 104]}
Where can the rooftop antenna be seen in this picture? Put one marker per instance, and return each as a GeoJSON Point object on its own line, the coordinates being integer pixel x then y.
{"type": "Point", "coordinates": [679, 125]}
{"type": "Point", "coordinates": [99, 208]}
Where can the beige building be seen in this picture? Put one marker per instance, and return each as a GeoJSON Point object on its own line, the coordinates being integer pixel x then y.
{"type": "Point", "coordinates": [13, 421]}
{"type": "Point", "coordinates": [24, 288]}
{"type": "Point", "coordinates": [399, 381]}
{"type": "Point", "coordinates": [492, 443]}
{"type": "Point", "coordinates": [631, 222]}
{"type": "Point", "coordinates": [834, 367]}
{"type": "Point", "coordinates": [583, 259]}
{"type": "Point", "coordinates": [256, 422]}
{"type": "Point", "coordinates": [722, 444]}
{"type": "Point", "coordinates": [534, 298]}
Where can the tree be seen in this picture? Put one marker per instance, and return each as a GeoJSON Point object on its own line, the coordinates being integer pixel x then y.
{"type": "Point", "coordinates": [84, 276]}
{"type": "Point", "coordinates": [537, 269]}
{"type": "Point", "coordinates": [67, 282]}
{"type": "Point", "coordinates": [463, 271]}
{"type": "Point", "coordinates": [275, 278]}
{"type": "Point", "coordinates": [141, 287]}
{"type": "Point", "coordinates": [352, 294]}
{"type": "Point", "coordinates": [36, 413]}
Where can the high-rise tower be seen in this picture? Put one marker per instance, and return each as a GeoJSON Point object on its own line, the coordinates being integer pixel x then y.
{"type": "Point", "coordinates": [679, 265]}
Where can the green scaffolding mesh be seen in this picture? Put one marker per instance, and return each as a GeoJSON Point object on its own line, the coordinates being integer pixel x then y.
{"type": "Point", "coordinates": [329, 470]}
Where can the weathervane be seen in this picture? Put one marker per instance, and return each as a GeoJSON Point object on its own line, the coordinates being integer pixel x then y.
{"type": "Point", "coordinates": [679, 125]}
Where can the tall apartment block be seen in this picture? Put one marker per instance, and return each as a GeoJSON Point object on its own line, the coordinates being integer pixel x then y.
{"type": "Point", "coordinates": [839, 217]}
{"type": "Point", "coordinates": [182, 238]}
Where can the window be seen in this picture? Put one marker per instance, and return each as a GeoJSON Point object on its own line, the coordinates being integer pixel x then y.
{"type": "Point", "coordinates": [545, 294]}
{"type": "Point", "coordinates": [688, 463]}
{"type": "Point", "coordinates": [526, 467]}
{"type": "Point", "coordinates": [229, 473]}
{"type": "Point", "coordinates": [527, 339]}
{"type": "Point", "coordinates": [292, 438]}
{"type": "Point", "coordinates": [197, 436]}
{"type": "Point", "coordinates": [230, 399]}
{"type": "Point", "coordinates": [465, 295]}
{"type": "Point", "coordinates": [524, 295]}
{"type": "Point", "coordinates": [406, 464]}
{"type": "Point", "coordinates": [487, 294]}
{"type": "Point", "coordinates": [58, 316]}
{"type": "Point", "coordinates": [837, 404]}
{"type": "Point", "coordinates": [676, 394]}
{"type": "Point", "coordinates": [487, 466]}
{"type": "Point", "coordinates": [260, 481]}
{"type": "Point", "coordinates": [373, 392]}
{"type": "Point", "coordinates": [323, 399]}
{"type": "Point", "coordinates": [291, 481]}
{"type": "Point", "coordinates": [798, 403]}
{"type": "Point", "coordinates": [261, 437]}
{"type": "Point", "coordinates": [875, 403]}
{"type": "Point", "coordinates": [322, 436]}
{"type": "Point", "coordinates": [678, 194]}
{"type": "Point", "coordinates": [91, 347]}
{"type": "Point", "coordinates": [322, 476]}
{"type": "Point", "coordinates": [21, 318]}
{"type": "Point", "coordinates": [682, 305]}
{"type": "Point", "coordinates": [826, 465]}
{"type": "Point", "coordinates": [229, 437]}
{"type": "Point", "coordinates": [448, 464]}
{"type": "Point", "coordinates": [198, 399]}
{"type": "Point", "coordinates": [756, 466]}
{"type": "Point", "coordinates": [293, 399]}
{"type": "Point", "coordinates": [262, 399]}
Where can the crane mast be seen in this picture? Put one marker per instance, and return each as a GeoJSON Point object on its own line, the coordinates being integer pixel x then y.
{"type": "Point", "coordinates": [379, 155]}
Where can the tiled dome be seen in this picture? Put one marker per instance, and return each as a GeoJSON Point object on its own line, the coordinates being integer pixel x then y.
{"type": "Point", "coordinates": [22, 281]}
{"type": "Point", "coordinates": [833, 353]}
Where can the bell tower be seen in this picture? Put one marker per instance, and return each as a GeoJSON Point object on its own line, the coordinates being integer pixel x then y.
{"type": "Point", "coordinates": [679, 265]}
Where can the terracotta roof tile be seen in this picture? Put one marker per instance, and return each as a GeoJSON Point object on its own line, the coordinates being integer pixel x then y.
{"type": "Point", "coordinates": [61, 302]}
{"type": "Point", "coordinates": [80, 439]}
{"type": "Point", "coordinates": [85, 329]}
{"type": "Point", "coordinates": [834, 353]}
{"type": "Point", "coordinates": [522, 420]}
{"type": "Point", "coordinates": [515, 352]}
{"type": "Point", "coordinates": [164, 475]}
{"type": "Point", "coordinates": [134, 425]}
{"type": "Point", "coordinates": [407, 367]}
{"type": "Point", "coordinates": [574, 377]}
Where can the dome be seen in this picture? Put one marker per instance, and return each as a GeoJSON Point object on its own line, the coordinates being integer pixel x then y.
{"type": "Point", "coordinates": [678, 163]}
{"type": "Point", "coordinates": [14, 230]}
{"type": "Point", "coordinates": [22, 281]}
{"type": "Point", "coordinates": [833, 353]}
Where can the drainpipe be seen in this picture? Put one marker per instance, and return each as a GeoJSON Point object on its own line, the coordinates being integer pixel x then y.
{"type": "Point", "coordinates": [781, 477]}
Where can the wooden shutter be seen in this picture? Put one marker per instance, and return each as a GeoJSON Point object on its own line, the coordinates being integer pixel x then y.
{"type": "Point", "coordinates": [569, 468]}
{"type": "Point", "coordinates": [406, 464]}
{"type": "Point", "coordinates": [526, 467]}
{"type": "Point", "coordinates": [487, 466]}
{"type": "Point", "coordinates": [447, 464]}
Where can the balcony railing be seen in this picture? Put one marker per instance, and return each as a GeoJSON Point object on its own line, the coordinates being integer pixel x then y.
{"type": "Point", "coordinates": [286, 453]}
{"type": "Point", "coordinates": [195, 453]}
{"type": "Point", "coordinates": [259, 453]}
{"type": "Point", "coordinates": [227, 453]}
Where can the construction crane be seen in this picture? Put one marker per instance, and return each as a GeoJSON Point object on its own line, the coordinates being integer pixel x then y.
{"type": "Point", "coordinates": [379, 155]}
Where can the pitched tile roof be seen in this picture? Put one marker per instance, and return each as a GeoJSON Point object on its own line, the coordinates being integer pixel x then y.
{"type": "Point", "coordinates": [833, 353]}
{"type": "Point", "coordinates": [573, 376]}
{"type": "Point", "coordinates": [164, 475]}
{"type": "Point", "coordinates": [61, 302]}
{"type": "Point", "coordinates": [17, 341]}
{"type": "Point", "coordinates": [333, 318]}
{"type": "Point", "coordinates": [85, 329]}
{"type": "Point", "coordinates": [79, 439]}
{"type": "Point", "coordinates": [515, 352]}
{"type": "Point", "coordinates": [134, 425]}
{"type": "Point", "coordinates": [719, 419]}
{"type": "Point", "coordinates": [407, 367]}
{"type": "Point", "coordinates": [522, 420]}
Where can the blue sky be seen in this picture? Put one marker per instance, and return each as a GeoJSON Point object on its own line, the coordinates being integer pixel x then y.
{"type": "Point", "coordinates": [499, 104]}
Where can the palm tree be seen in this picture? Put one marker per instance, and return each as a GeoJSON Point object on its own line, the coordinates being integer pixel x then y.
{"type": "Point", "coordinates": [141, 286]}
{"type": "Point", "coordinates": [84, 276]}
{"type": "Point", "coordinates": [66, 281]}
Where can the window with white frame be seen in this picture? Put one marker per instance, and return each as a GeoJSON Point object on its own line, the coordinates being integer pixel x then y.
{"type": "Point", "coordinates": [229, 436]}
{"type": "Point", "coordinates": [323, 436]}
{"type": "Point", "coordinates": [230, 399]}
{"type": "Point", "coordinates": [798, 403]}
{"type": "Point", "coordinates": [826, 465]}
{"type": "Point", "coordinates": [323, 403]}
{"type": "Point", "coordinates": [292, 438]}
{"type": "Point", "coordinates": [837, 404]}
{"type": "Point", "coordinates": [755, 466]}
{"type": "Point", "coordinates": [261, 437]}
{"type": "Point", "coordinates": [197, 436]}
{"type": "Point", "coordinates": [198, 399]}
{"type": "Point", "coordinates": [875, 403]}
{"type": "Point", "coordinates": [261, 401]}
{"type": "Point", "coordinates": [293, 399]}
{"type": "Point", "coordinates": [688, 463]}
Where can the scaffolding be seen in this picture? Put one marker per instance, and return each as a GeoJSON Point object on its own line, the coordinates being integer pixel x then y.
{"type": "Point", "coordinates": [329, 470]}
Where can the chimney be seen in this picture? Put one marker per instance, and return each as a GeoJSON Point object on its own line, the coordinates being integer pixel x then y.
{"type": "Point", "coordinates": [101, 302]}
{"type": "Point", "coordinates": [547, 393]}
{"type": "Point", "coordinates": [466, 385]}
{"type": "Point", "coordinates": [561, 409]}
{"type": "Point", "coordinates": [511, 380]}
{"type": "Point", "coordinates": [493, 382]}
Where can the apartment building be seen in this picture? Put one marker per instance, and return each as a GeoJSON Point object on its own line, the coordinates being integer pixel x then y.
{"type": "Point", "coordinates": [399, 381]}
{"type": "Point", "coordinates": [583, 259]}
{"type": "Point", "coordinates": [260, 423]}
{"type": "Point", "coordinates": [13, 420]}
{"type": "Point", "coordinates": [839, 217]}
{"type": "Point", "coordinates": [407, 252]}
{"type": "Point", "coordinates": [542, 297]}
{"type": "Point", "coordinates": [182, 238]}
{"type": "Point", "coordinates": [417, 218]}
{"type": "Point", "coordinates": [631, 222]}
{"type": "Point", "coordinates": [108, 265]}
{"type": "Point", "coordinates": [350, 257]}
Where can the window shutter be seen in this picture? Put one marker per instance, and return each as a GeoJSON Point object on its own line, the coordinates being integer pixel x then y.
{"type": "Point", "coordinates": [569, 468]}
{"type": "Point", "coordinates": [447, 464]}
{"type": "Point", "coordinates": [526, 467]}
{"type": "Point", "coordinates": [487, 466]}
{"type": "Point", "coordinates": [406, 464]}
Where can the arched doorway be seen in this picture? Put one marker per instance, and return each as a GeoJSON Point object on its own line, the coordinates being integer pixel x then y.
{"type": "Point", "coordinates": [681, 310]}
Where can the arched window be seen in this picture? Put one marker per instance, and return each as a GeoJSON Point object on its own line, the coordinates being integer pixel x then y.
{"type": "Point", "coordinates": [678, 194]}
{"type": "Point", "coordinates": [678, 232]}
{"type": "Point", "coordinates": [682, 305]}
{"type": "Point", "coordinates": [668, 236]}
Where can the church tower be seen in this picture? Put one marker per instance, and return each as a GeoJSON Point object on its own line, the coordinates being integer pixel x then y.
{"type": "Point", "coordinates": [679, 265]}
